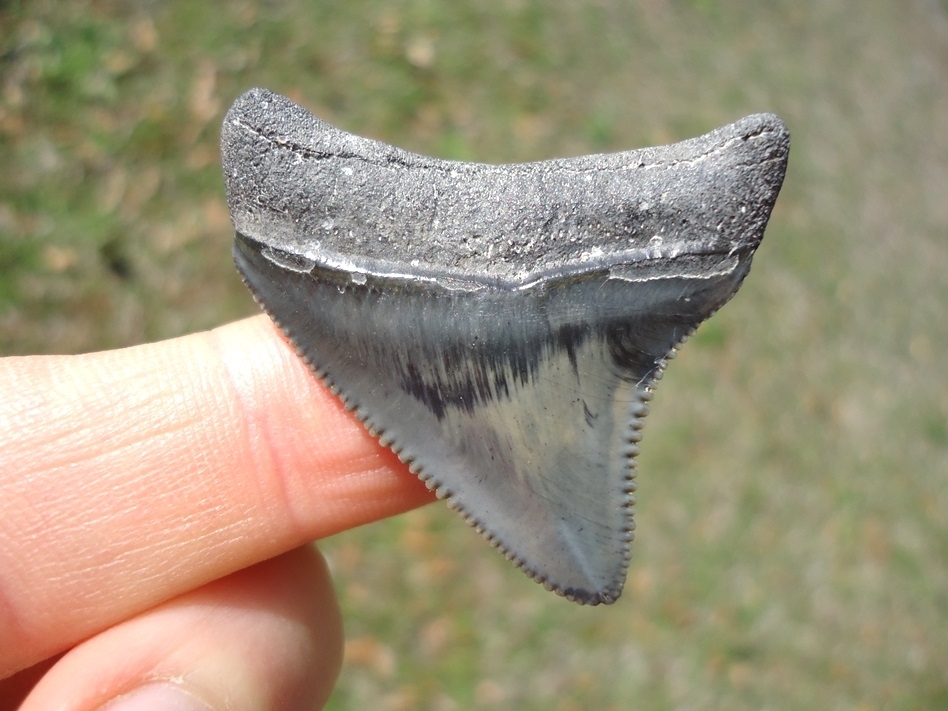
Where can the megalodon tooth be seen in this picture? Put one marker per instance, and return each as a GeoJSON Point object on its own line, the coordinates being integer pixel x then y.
{"type": "Point", "coordinates": [500, 327]}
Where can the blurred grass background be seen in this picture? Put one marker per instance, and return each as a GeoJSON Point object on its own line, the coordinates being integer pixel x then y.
{"type": "Point", "coordinates": [793, 507]}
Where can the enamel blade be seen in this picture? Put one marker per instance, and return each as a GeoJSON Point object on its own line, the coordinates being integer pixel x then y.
{"type": "Point", "coordinates": [500, 327]}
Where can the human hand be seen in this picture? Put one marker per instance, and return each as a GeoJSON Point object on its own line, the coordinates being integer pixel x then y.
{"type": "Point", "coordinates": [155, 503]}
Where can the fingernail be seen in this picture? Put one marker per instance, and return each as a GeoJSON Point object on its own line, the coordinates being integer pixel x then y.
{"type": "Point", "coordinates": [157, 697]}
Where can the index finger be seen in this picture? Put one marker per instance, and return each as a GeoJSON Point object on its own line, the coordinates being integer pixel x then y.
{"type": "Point", "coordinates": [128, 477]}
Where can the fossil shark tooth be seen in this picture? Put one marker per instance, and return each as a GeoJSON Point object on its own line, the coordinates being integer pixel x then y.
{"type": "Point", "coordinates": [500, 327]}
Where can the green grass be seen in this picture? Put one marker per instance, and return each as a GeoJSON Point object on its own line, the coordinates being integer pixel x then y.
{"type": "Point", "coordinates": [793, 500]}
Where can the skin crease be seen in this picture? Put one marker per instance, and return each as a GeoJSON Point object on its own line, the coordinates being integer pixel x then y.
{"type": "Point", "coordinates": [153, 505]}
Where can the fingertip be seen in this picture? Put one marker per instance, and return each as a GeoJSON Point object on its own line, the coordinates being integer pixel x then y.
{"type": "Point", "coordinates": [225, 438]}
{"type": "Point", "coordinates": [332, 474]}
{"type": "Point", "coordinates": [266, 637]}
